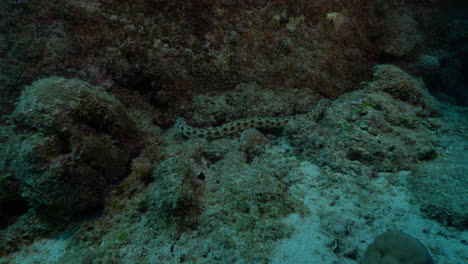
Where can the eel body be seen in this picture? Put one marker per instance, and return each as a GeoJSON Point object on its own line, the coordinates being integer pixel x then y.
{"type": "Point", "coordinates": [242, 124]}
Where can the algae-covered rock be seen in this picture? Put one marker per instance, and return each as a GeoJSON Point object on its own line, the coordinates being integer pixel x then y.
{"type": "Point", "coordinates": [396, 247]}
{"type": "Point", "coordinates": [401, 34]}
{"type": "Point", "coordinates": [177, 192]}
{"type": "Point", "coordinates": [385, 125]}
{"type": "Point", "coordinates": [76, 140]}
{"type": "Point", "coordinates": [252, 138]}
{"type": "Point", "coordinates": [402, 86]}
{"type": "Point", "coordinates": [67, 105]}
{"type": "Point", "coordinates": [374, 129]}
